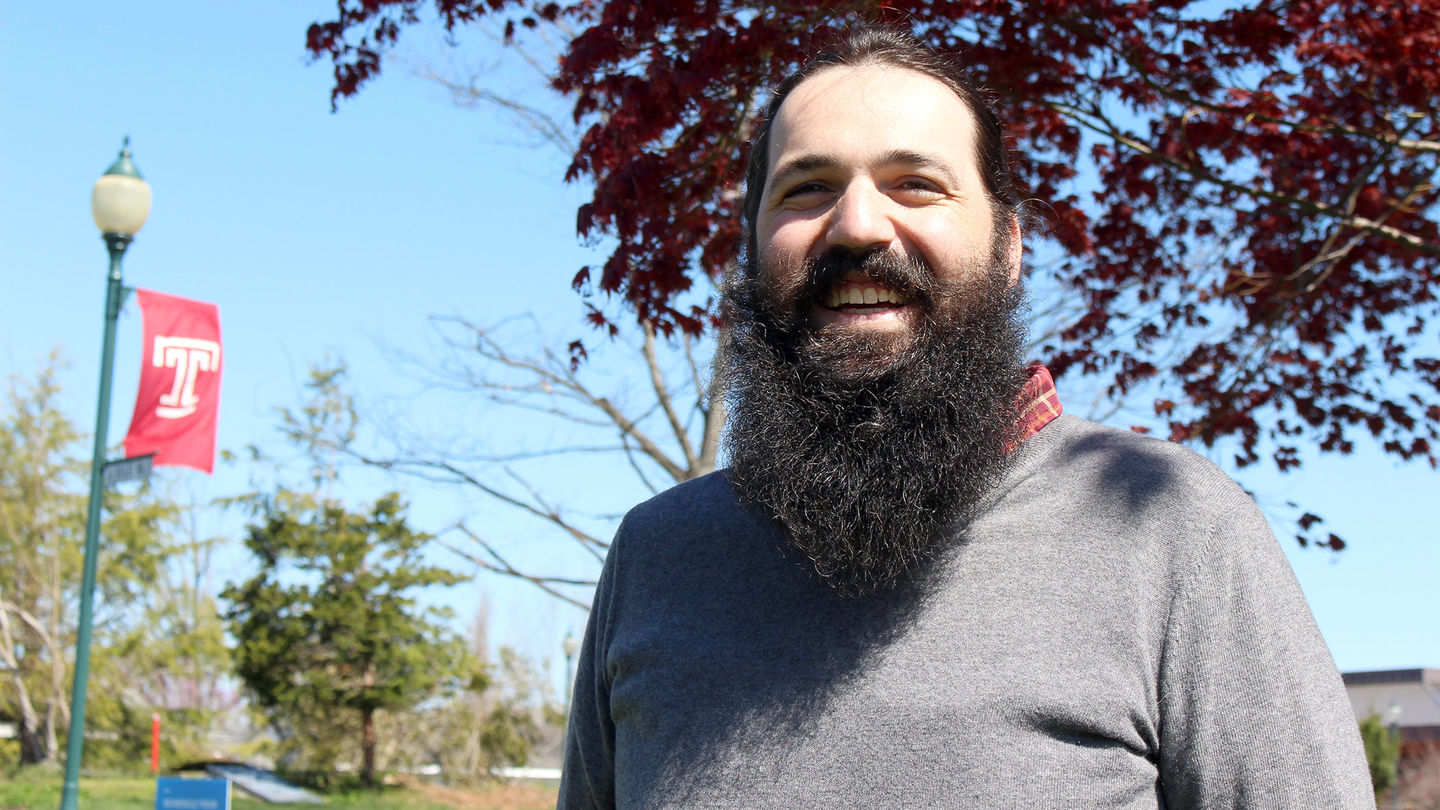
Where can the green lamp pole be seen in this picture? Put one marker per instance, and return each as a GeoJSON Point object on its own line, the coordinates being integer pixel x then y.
{"type": "Point", "coordinates": [120, 203]}
{"type": "Point", "coordinates": [570, 645]}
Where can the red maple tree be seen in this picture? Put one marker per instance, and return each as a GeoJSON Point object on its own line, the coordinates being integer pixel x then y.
{"type": "Point", "coordinates": [1251, 189]}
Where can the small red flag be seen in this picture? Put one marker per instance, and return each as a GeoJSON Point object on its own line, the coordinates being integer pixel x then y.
{"type": "Point", "coordinates": [179, 396]}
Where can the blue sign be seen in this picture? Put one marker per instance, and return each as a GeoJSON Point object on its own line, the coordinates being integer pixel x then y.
{"type": "Point", "coordinates": [192, 794]}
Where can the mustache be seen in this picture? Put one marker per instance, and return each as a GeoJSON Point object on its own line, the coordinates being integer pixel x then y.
{"type": "Point", "coordinates": [911, 277]}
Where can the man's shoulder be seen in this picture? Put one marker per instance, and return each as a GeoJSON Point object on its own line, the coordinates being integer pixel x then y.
{"type": "Point", "coordinates": [1136, 470]}
{"type": "Point", "coordinates": [695, 525]}
{"type": "Point", "coordinates": [1126, 455]}
{"type": "Point", "coordinates": [696, 506]}
{"type": "Point", "coordinates": [1125, 496]}
{"type": "Point", "coordinates": [706, 493]}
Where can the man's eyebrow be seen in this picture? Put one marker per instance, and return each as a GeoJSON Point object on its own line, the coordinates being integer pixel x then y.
{"type": "Point", "coordinates": [919, 160]}
{"type": "Point", "coordinates": [802, 164]}
{"type": "Point", "coordinates": [909, 158]}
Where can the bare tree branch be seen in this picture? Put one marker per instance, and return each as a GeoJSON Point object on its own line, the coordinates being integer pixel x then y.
{"type": "Point", "coordinates": [483, 361]}
{"type": "Point", "coordinates": [455, 474]}
{"type": "Point", "coordinates": [471, 94]}
{"type": "Point", "coordinates": [662, 395]}
{"type": "Point", "coordinates": [635, 465]}
{"type": "Point", "coordinates": [715, 414]}
{"type": "Point", "coordinates": [500, 565]}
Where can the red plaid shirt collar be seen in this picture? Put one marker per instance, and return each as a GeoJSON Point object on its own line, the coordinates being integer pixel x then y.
{"type": "Point", "coordinates": [1042, 403]}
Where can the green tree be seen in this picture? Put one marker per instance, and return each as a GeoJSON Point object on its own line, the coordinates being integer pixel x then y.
{"type": "Point", "coordinates": [175, 656]}
{"type": "Point", "coordinates": [43, 465]}
{"type": "Point", "coordinates": [504, 711]}
{"type": "Point", "coordinates": [40, 524]}
{"type": "Point", "coordinates": [1382, 751]}
{"type": "Point", "coordinates": [330, 624]}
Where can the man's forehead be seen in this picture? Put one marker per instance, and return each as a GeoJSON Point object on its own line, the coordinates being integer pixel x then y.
{"type": "Point", "coordinates": [895, 104]}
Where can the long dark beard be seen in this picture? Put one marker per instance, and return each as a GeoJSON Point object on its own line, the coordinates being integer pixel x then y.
{"type": "Point", "coordinates": [869, 450]}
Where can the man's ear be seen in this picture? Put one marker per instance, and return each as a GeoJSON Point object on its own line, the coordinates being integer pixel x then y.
{"type": "Point", "coordinates": [1016, 251]}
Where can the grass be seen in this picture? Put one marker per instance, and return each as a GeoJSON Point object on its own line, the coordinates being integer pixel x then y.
{"type": "Point", "coordinates": [39, 789]}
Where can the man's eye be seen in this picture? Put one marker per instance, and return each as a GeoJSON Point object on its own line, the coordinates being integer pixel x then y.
{"type": "Point", "coordinates": [917, 184]}
{"type": "Point", "coordinates": [805, 188]}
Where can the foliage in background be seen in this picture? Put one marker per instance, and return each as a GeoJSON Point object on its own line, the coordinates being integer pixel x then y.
{"type": "Point", "coordinates": [175, 655]}
{"type": "Point", "coordinates": [1417, 786]}
{"type": "Point", "coordinates": [1382, 752]}
{"type": "Point", "coordinates": [1293, 147]}
{"type": "Point", "coordinates": [330, 625]}
{"type": "Point", "coordinates": [41, 532]}
{"type": "Point", "coordinates": [44, 465]}
{"type": "Point", "coordinates": [459, 705]}
{"type": "Point", "coordinates": [504, 710]}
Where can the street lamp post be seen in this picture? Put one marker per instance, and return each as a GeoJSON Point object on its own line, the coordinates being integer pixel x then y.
{"type": "Point", "coordinates": [1393, 715]}
{"type": "Point", "coordinates": [120, 203]}
{"type": "Point", "coordinates": [570, 645]}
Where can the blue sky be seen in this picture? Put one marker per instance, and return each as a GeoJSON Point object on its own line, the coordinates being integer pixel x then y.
{"type": "Point", "coordinates": [340, 233]}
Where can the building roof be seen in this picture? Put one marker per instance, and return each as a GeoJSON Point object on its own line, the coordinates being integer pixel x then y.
{"type": "Point", "coordinates": [1407, 699]}
{"type": "Point", "coordinates": [1426, 676]}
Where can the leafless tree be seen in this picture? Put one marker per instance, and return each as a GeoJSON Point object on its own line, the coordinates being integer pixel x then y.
{"type": "Point", "coordinates": [664, 431]}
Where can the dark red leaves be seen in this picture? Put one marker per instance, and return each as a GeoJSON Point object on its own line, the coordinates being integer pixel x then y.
{"type": "Point", "coordinates": [1243, 201]}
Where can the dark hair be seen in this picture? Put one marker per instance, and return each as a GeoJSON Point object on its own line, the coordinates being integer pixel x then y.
{"type": "Point", "coordinates": [890, 47]}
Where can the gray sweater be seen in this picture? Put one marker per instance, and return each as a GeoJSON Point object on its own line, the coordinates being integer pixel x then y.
{"type": "Point", "coordinates": [1118, 629]}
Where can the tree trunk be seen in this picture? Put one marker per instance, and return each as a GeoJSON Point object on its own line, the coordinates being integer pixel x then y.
{"type": "Point", "coordinates": [367, 746]}
{"type": "Point", "coordinates": [32, 747]}
{"type": "Point", "coordinates": [52, 742]}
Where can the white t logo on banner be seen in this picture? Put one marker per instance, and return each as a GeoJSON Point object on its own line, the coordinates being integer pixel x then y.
{"type": "Point", "coordinates": [178, 399]}
{"type": "Point", "coordinates": [189, 357]}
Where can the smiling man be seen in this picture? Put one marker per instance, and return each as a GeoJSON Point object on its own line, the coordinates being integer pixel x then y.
{"type": "Point", "coordinates": [919, 584]}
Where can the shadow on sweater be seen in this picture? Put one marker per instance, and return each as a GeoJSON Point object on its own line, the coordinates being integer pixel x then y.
{"type": "Point", "coordinates": [1136, 472]}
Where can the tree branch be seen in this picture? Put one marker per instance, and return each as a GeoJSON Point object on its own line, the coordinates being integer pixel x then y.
{"type": "Point", "coordinates": [456, 474]}
{"type": "Point", "coordinates": [1103, 126]}
{"type": "Point", "coordinates": [500, 565]}
{"type": "Point", "coordinates": [662, 394]}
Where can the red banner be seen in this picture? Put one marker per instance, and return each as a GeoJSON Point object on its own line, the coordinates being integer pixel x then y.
{"type": "Point", "coordinates": [179, 396]}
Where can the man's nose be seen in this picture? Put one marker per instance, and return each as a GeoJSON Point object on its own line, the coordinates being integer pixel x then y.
{"type": "Point", "coordinates": [860, 219]}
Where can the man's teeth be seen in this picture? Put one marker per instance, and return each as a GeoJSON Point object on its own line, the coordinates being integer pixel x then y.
{"type": "Point", "coordinates": [858, 295]}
